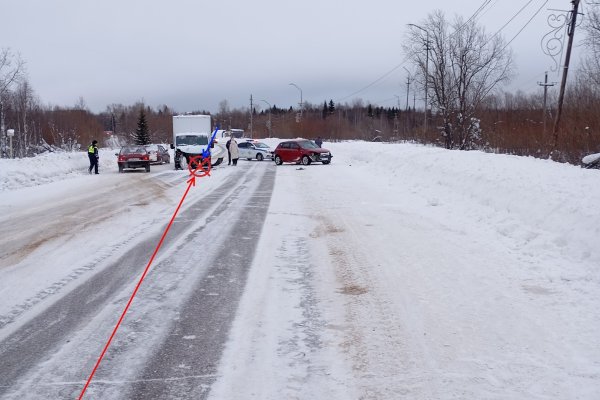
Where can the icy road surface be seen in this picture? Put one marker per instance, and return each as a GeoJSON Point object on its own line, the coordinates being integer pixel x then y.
{"type": "Point", "coordinates": [171, 340]}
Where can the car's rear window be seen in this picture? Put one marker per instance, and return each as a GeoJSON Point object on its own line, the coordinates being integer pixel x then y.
{"type": "Point", "coordinates": [133, 150]}
{"type": "Point", "coordinates": [307, 144]}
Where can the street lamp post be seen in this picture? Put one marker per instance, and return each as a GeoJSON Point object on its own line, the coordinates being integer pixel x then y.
{"type": "Point", "coordinates": [426, 69]}
{"type": "Point", "coordinates": [269, 123]}
{"type": "Point", "coordinates": [301, 104]}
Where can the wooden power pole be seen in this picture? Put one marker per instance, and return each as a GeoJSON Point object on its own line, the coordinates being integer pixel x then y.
{"type": "Point", "coordinates": [563, 83]}
{"type": "Point", "coordinates": [545, 85]}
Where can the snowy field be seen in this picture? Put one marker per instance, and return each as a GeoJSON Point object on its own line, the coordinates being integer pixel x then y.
{"type": "Point", "coordinates": [397, 272]}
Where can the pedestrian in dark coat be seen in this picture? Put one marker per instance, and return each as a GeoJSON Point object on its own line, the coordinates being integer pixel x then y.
{"type": "Point", "coordinates": [228, 152]}
{"type": "Point", "coordinates": [93, 156]}
{"type": "Point", "coordinates": [319, 141]}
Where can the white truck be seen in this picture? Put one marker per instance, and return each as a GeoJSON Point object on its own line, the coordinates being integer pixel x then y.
{"type": "Point", "coordinates": [191, 138]}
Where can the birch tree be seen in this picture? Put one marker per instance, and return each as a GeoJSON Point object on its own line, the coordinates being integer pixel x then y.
{"type": "Point", "coordinates": [12, 69]}
{"type": "Point", "coordinates": [590, 66]}
{"type": "Point", "coordinates": [464, 66]}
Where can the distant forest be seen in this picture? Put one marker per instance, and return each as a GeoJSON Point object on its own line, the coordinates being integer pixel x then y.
{"type": "Point", "coordinates": [510, 124]}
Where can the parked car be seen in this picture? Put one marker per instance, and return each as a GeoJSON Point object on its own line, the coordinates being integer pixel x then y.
{"type": "Point", "coordinates": [158, 154]}
{"type": "Point", "coordinates": [252, 149]}
{"type": "Point", "coordinates": [132, 157]}
{"type": "Point", "coordinates": [301, 151]}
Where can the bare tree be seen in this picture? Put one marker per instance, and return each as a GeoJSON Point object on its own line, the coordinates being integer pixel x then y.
{"type": "Point", "coordinates": [465, 65]}
{"type": "Point", "coordinates": [23, 100]}
{"type": "Point", "coordinates": [590, 66]}
{"type": "Point", "coordinates": [12, 69]}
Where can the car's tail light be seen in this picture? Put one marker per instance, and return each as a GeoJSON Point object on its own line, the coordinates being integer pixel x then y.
{"type": "Point", "coordinates": [121, 158]}
{"type": "Point", "coordinates": [145, 157]}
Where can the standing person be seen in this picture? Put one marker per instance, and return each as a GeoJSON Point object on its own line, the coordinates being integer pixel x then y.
{"type": "Point", "coordinates": [318, 141]}
{"type": "Point", "coordinates": [93, 156]}
{"type": "Point", "coordinates": [228, 152]}
{"type": "Point", "coordinates": [233, 148]}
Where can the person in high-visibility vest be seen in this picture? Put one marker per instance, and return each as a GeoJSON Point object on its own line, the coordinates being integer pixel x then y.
{"type": "Point", "coordinates": [93, 156]}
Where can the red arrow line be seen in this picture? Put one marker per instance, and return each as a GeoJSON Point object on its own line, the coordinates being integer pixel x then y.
{"type": "Point", "coordinates": [191, 182]}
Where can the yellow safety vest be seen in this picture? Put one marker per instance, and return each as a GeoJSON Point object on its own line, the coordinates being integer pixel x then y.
{"type": "Point", "coordinates": [91, 149]}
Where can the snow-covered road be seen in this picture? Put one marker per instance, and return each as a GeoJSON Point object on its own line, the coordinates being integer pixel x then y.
{"type": "Point", "coordinates": [406, 272]}
{"type": "Point", "coordinates": [171, 341]}
{"type": "Point", "coordinates": [397, 272]}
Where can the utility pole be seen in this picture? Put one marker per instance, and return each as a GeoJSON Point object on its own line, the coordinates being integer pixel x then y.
{"type": "Point", "coordinates": [545, 85]}
{"type": "Point", "coordinates": [426, 71]}
{"type": "Point", "coordinates": [268, 123]}
{"type": "Point", "coordinates": [563, 83]}
{"type": "Point", "coordinates": [407, 87]}
{"type": "Point", "coordinates": [251, 112]}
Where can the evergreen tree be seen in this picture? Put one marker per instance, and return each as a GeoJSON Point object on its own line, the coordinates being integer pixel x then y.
{"type": "Point", "coordinates": [142, 136]}
{"type": "Point", "coordinates": [331, 107]}
{"type": "Point", "coordinates": [324, 113]}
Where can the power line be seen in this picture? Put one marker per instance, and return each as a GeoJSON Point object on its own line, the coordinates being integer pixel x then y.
{"type": "Point", "coordinates": [509, 21]}
{"type": "Point", "coordinates": [481, 7]}
{"type": "Point", "coordinates": [479, 10]}
{"type": "Point", "coordinates": [489, 8]}
{"type": "Point", "coordinates": [374, 82]}
{"type": "Point", "coordinates": [524, 26]}
{"type": "Point", "coordinates": [471, 18]}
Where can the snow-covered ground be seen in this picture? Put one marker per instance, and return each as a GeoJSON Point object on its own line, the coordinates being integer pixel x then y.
{"type": "Point", "coordinates": [398, 271]}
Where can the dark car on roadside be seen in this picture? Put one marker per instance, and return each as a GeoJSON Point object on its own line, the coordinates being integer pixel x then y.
{"type": "Point", "coordinates": [158, 154]}
{"type": "Point", "coordinates": [301, 151]}
{"type": "Point", "coordinates": [133, 157]}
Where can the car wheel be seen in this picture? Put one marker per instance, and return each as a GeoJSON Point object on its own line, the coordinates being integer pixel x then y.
{"type": "Point", "coordinates": [305, 160]}
{"type": "Point", "coordinates": [278, 160]}
{"type": "Point", "coordinates": [325, 162]}
{"type": "Point", "coordinates": [259, 157]}
{"type": "Point", "coordinates": [147, 168]}
{"type": "Point", "coordinates": [120, 168]}
{"type": "Point", "coordinates": [183, 162]}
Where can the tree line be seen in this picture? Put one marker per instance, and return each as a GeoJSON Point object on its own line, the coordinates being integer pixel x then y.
{"type": "Point", "coordinates": [460, 69]}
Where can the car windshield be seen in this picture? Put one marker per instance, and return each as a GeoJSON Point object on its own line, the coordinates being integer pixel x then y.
{"type": "Point", "coordinates": [152, 147]}
{"type": "Point", "coordinates": [261, 145]}
{"type": "Point", "coordinates": [307, 144]}
{"type": "Point", "coordinates": [133, 150]}
{"type": "Point", "coordinates": [191, 140]}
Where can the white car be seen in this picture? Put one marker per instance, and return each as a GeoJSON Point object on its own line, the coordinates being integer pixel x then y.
{"type": "Point", "coordinates": [252, 149]}
{"type": "Point", "coordinates": [158, 154]}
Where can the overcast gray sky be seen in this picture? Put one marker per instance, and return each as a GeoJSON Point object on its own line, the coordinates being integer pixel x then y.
{"type": "Point", "coordinates": [192, 54]}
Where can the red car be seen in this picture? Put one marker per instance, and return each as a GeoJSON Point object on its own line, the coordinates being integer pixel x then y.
{"type": "Point", "coordinates": [133, 157]}
{"type": "Point", "coordinates": [301, 151]}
